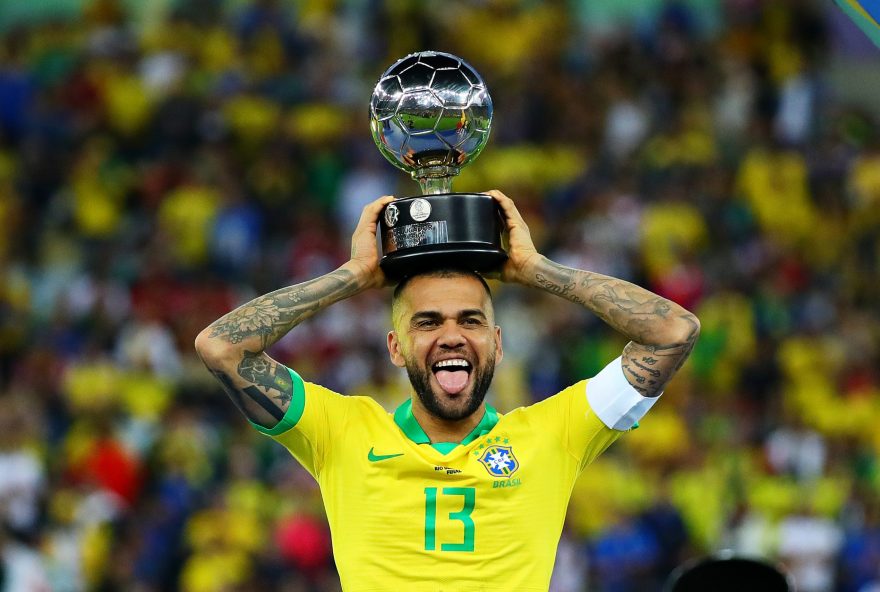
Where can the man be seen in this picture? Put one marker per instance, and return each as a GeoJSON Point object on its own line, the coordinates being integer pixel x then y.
{"type": "Point", "coordinates": [446, 493]}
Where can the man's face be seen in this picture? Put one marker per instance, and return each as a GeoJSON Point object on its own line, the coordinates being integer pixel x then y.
{"type": "Point", "coordinates": [445, 336]}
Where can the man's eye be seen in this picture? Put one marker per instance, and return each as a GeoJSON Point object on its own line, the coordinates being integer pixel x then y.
{"type": "Point", "coordinates": [427, 324]}
{"type": "Point", "coordinates": [472, 321]}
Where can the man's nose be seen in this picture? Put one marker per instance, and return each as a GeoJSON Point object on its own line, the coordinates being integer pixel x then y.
{"type": "Point", "coordinates": [451, 336]}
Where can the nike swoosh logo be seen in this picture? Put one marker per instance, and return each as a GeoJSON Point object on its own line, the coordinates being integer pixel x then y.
{"type": "Point", "coordinates": [372, 457]}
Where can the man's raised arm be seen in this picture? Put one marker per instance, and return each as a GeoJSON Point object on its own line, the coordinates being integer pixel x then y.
{"type": "Point", "coordinates": [233, 347]}
{"type": "Point", "coordinates": [661, 332]}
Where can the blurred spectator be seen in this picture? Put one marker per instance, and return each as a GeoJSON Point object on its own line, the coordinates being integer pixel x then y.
{"type": "Point", "coordinates": [796, 451]}
{"type": "Point", "coordinates": [808, 545]}
{"type": "Point", "coordinates": [22, 474]}
{"type": "Point", "coordinates": [860, 555]}
{"type": "Point", "coordinates": [21, 569]}
{"type": "Point", "coordinates": [624, 557]}
{"type": "Point", "coordinates": [571, 568]}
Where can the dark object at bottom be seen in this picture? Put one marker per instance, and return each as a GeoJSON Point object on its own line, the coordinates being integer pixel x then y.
{"type": "Point", "coordinates": [444, 230]}
{"type": "Point", "coordinates": [732, 574]}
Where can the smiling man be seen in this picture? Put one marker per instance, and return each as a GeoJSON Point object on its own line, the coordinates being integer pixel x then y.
{"type": "Point", "coordinates": [446, 493]}
{"type": "Point", "coordinates": [450, 370]}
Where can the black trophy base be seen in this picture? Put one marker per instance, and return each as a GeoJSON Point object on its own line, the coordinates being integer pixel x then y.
{"type": "Point", "coordinates": [445, 230]}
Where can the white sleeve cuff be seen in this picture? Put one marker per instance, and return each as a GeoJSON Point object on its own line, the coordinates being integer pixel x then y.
{"type": "Point", "coordinates": [614, 400]}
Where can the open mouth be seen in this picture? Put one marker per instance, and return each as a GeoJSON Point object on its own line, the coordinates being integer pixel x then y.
{"type": "Point", "coordinates": [452, 374]}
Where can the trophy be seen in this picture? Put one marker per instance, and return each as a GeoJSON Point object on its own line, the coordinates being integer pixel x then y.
{"type": "Point", "coordinates": [430, 115]}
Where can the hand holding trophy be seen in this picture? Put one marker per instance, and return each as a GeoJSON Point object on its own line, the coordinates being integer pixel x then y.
{"type": "Point", "coordinates": [430, 115]}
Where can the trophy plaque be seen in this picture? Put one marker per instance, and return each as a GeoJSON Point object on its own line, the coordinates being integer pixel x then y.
{"type": "Point", "coordinates": [430, 115]}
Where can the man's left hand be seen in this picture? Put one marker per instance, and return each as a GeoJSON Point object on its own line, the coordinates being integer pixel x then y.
{"type": "Point", "coordinates": [522, 256]}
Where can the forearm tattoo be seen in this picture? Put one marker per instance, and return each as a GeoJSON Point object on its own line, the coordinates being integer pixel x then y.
{"type": "Point", "coordinates": [661, 333]}
{"type": "Point", "coordinates": [264, 320]}
{"type": "Point", "coordinates": [263, 388]}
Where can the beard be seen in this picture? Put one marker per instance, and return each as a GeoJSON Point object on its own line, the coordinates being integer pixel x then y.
{"type": "Point", "coordinates": [421, 382]}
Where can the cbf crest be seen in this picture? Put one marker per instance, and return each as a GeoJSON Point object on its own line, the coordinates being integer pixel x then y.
{"type": "Point", "coordinates": [499, 461]}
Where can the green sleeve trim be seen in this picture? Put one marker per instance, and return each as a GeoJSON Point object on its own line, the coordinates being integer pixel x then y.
{"type": "Point", "coordinates": [293, 413]}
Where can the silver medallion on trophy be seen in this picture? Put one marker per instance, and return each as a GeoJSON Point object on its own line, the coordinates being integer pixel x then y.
{"type": "Point", "coordinates": [430, 115]}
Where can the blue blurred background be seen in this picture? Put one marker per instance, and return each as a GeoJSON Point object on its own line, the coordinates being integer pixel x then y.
{"type": "Point", "coordinates": [162, 161]}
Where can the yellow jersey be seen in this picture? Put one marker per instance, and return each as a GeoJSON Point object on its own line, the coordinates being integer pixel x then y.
{"type": "Point", "coordinates": [483, 514]}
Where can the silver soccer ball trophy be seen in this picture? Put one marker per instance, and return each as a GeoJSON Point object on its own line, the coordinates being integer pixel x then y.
{"type": "Point", "coordinates": [430, 115]}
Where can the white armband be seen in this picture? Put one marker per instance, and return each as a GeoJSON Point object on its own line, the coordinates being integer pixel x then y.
{"type": "Point", "coordinates": [614, 400]}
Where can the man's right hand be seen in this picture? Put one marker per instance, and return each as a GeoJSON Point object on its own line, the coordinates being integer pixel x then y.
{"type": "Point", "coordinates": [364, 262]}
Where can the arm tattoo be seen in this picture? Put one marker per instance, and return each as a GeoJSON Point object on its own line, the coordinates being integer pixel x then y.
{"type": "Point", "coordinates": [650, 371]}
{"type": "Point", "coordinates": [560, 289]}
{"type": "Point", "coordinates": [263, 388]}
{"type": "Point", "coordinates": [662, 361]}
{"type": "Point", "coordinates": [246, 404]}
{"type": "Point", "coordinates": [661, 333]}
{"type": "Point", "coordinates": [264, 320]}
{"type": "Point", "coordinates": [268, 374]}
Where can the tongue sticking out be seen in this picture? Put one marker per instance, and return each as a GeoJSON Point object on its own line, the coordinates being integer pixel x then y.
{"type": "Point", "coordinates": [452, 381]}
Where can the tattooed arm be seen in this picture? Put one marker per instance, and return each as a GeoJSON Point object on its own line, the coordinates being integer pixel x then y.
{"type": "Point", "coordinates": [233, 347]}
{"type": "Point", "coordinates": [661, 332]}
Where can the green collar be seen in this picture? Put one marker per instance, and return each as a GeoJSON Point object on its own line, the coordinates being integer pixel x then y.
{"type": "Point", "coordinates": [406, 421]}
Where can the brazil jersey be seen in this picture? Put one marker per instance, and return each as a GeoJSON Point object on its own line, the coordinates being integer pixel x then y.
{"type": "Point", "coordinates": [485, 514]}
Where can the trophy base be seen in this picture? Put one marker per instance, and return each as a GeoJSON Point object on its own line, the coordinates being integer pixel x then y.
{"type": "Point", "coordinates": [475, 258]}
{"type": "Point", "coordinates": [445, 230]}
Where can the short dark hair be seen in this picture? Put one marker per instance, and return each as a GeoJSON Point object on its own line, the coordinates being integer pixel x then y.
{"type": "Point", "coordinates": [442, 272]}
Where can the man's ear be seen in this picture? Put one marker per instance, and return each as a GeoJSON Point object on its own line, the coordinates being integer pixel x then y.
{"type": "Point", "coordinates": [394, 350]}
{"type": "Point", "coordinates": [499, 351]}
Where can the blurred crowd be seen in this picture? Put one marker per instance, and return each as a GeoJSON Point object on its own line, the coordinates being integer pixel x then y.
{"type": "Point", "coordinates": [163, 161]}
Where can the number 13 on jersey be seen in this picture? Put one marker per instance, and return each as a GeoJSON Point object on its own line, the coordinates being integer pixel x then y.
{"type": "Point", "coordinates": [468, 495]}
